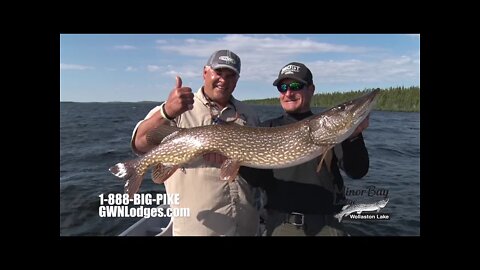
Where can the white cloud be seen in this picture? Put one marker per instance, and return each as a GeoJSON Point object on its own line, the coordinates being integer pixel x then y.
{"type": "Point", "coordinates": [263, 55]}
{"type": "Point", "coordinates": [183, 74]}
{"type": "Point", "coordinates": [353, 70]}
{"type": "Point", "coordinates": [153, 68]}
{"type": "Point", "coordinates": [125, 47]}
{"type": "Point", "coordinates": [259, 53]}
{"type": "Point", "coordinates": [74, 67]}
{"type": "Point", "coordinates": [251, 45]}
{"type": "Point", "coordinates": [413, 35]}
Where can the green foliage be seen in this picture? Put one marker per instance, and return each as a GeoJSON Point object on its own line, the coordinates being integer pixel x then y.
{"type": "Point", "coordinates": [406, 99]}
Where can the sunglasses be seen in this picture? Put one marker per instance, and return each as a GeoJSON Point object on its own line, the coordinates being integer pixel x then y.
{"type": "Point", "coordinates": [294, 86]}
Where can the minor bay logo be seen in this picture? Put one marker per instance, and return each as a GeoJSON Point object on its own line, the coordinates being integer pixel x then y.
{"type": "Point", "coordinates": [355, 211]}
{"type": "Point", "coordinates": [358, 209]}
{"type": "Point", "coordinates": [369, 191]}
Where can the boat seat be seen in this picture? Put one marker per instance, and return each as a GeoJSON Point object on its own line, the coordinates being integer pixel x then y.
{"type": "Point", "coordinates": [155, 230]}
{"type": "Point", "coordinates": [167, 231]}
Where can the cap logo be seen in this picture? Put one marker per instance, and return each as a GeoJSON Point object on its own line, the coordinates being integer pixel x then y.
{"type": "Point", "coordinates": [227, 59]}
{"type": "Point", "coordinates": [290, 69]}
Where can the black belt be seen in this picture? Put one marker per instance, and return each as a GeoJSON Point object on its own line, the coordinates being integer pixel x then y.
{"type": "Point", "coordinates": [295, 218]}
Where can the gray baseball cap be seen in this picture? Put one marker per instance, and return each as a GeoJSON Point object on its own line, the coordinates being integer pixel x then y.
{"type": "Point", "coordinates": [225, 59]}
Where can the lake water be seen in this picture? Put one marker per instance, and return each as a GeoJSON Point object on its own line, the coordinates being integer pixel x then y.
{"type": "Point", "coordinates": [94, 136]}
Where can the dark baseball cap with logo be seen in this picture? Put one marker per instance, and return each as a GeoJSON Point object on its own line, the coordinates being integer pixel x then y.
{"type": "Point", "coordinates": [225, 59]}
{"type": "Point", "coordinates": [296, 71]}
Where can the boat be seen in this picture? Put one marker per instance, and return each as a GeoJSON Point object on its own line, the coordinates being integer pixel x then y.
{"type": "Point", "coordinates": [155, 226]}
{"type": "Point", "coordinates": [152, 226]}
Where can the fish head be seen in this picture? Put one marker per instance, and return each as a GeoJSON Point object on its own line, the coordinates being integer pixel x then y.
{"type": "Point", "coordinates": [383, 203]}
{"type": "Point", "coordinates": [338, 123]}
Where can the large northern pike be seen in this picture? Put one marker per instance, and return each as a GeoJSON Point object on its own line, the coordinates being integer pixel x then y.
{"type": "Point", "coordinates": [257, 147]}
{"type": "Point", "coordinates": [359, 208]}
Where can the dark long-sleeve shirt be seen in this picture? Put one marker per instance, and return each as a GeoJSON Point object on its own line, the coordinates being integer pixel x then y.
{"type": "Point", "coordinates": [296, 196]}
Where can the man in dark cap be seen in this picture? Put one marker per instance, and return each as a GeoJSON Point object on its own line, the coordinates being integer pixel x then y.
{"type": "Point", "coordinates": [216, 207]}
{"type": "Point", "coordinates": [300, 200]}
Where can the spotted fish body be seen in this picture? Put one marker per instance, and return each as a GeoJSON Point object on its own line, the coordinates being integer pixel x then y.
{"type": "Point", "coordinates": [257, 147]}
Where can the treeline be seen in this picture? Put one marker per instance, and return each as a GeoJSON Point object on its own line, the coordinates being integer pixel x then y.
{"type": "Point", "coordinates": [406, 99]}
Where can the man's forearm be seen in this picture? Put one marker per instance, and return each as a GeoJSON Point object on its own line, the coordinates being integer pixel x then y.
{"type": "Point", "coordinates": [141, 144]}
{"type": "Point", "coordinates": [355, 161]}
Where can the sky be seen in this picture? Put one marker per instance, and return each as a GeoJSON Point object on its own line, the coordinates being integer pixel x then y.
{"type": "Point", "coordinates": [142, 67]}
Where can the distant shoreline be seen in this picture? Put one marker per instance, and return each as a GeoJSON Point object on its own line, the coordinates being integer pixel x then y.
{"type": "Point", "coordinates": [395, 99]}
{"type": "Point", "coordinates": [111, 101]}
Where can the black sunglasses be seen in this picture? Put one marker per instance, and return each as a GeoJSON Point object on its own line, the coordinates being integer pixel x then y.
{"type": "Point", "coordinates": [294, 86]}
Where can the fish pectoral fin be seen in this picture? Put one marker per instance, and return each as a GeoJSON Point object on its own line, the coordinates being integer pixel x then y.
{"type": "Point", "coordinates": [327, 158]}
{"type": "Point", "coordinates": [229, 170]}
{"type": "Point", "coordinates": [128, 172]}
{"type": "Point", "coordinates": [161, 133]}
{"type": "Point", "coordinates": [319, 167]}
{"type": "Point", "coordinates": [161, 172]}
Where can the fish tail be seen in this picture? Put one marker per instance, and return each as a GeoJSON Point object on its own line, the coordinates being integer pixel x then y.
{"type": "Point", "coordinates": [128, 172]}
